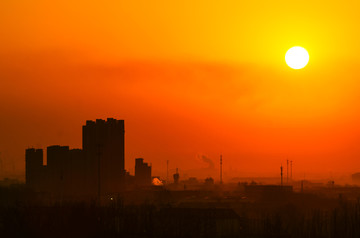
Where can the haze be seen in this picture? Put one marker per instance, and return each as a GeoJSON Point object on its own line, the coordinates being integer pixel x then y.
{"type": "Point", "coordinates": [192, 80]}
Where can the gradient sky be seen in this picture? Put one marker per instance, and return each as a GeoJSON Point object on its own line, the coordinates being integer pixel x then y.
{"type": "Point", "coordinates": [190, 78]}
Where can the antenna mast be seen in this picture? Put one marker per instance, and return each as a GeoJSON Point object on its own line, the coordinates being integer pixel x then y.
{"type": "Point", "coordinates": [281, 174]}
{"type": "Point", "coordinates": [221, 169]}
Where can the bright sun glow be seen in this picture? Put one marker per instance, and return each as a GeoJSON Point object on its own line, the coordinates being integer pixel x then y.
{"type": "Point", "coordinates": [297, 57]}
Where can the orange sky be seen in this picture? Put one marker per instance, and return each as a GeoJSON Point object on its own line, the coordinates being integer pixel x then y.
{"type": "Point", "coordinates": [190, 78]}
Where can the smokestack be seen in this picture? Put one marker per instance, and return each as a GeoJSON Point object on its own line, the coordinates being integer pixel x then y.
{"type": "Point", "coordinates": [291, 170]}
{"type": "Point", "coordinates": [221, 169]}
{"type": "Point", "coordinates": [281, 174]}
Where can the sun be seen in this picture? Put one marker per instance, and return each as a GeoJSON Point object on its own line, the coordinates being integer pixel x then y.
{"type": "Point", "coordinates": [297, 57]}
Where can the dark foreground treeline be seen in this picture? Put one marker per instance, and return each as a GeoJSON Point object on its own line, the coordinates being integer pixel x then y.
{"type": "Point", "coordinates": [286, 218]}
{"type": "Point", "coordinates": [342, 221]}
{"type": "Point", "coordinates": [139, 221]}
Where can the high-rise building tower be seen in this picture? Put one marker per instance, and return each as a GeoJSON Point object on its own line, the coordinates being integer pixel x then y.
{"type": "Point", "coordinates": [34, 167]}
{"type": "Point", "coordinates": [64, 171]}
{"type": "Point", "coordinates": [104, 153]}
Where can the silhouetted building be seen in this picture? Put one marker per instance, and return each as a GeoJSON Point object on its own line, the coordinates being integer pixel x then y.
{"type": "Point", "coordinates": [192, 181]}
{"type": "Point", "coordinates": [62, 177]}
{"type": "Point", "coordinates": [34, 167]}
{"type": "Point", "coordinates": [129, 179]}
{"type": "Point", "coordinates": [209, 181]}
{"type": "Point", "coordinates": [65, 171]}
{"type": "Point", "coordinates": [142, 172]}
{"type": "Point", "coordinates": [103, 147]}
{"type": "Point", "coordinates": [96, 170]}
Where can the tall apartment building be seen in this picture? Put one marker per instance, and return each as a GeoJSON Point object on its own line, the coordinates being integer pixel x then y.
{"type": "Point", "coordinates": [104, 152]}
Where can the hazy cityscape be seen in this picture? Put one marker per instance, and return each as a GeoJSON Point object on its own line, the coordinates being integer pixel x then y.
{"type": "Point", "coordinates": [87, 193]}
{"type": "Point", "coordinates": [179, 119]}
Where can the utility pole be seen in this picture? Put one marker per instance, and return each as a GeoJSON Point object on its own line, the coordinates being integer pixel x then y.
{"type": "Point", "coordinates": [281, 174]}
{"type": "Point", "coordinates": [221, 169]}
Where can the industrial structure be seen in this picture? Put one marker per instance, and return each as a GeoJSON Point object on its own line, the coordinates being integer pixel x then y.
{"type": "Point", "coordinates": [176, 177]}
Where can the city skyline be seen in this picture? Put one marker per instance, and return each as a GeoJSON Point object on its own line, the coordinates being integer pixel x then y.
{"type": "Point", "coordinates": [201, 119]}
{"type": "Point", "coordinates": [213, 74]}
{"type": "Point", "coordinates": [210, 168]}
{"type": "Point", "coordinates": [104, 140]}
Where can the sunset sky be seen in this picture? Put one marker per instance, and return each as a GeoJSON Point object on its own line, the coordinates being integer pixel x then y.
{"type": "Point", "coordinates": [191, 79]}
